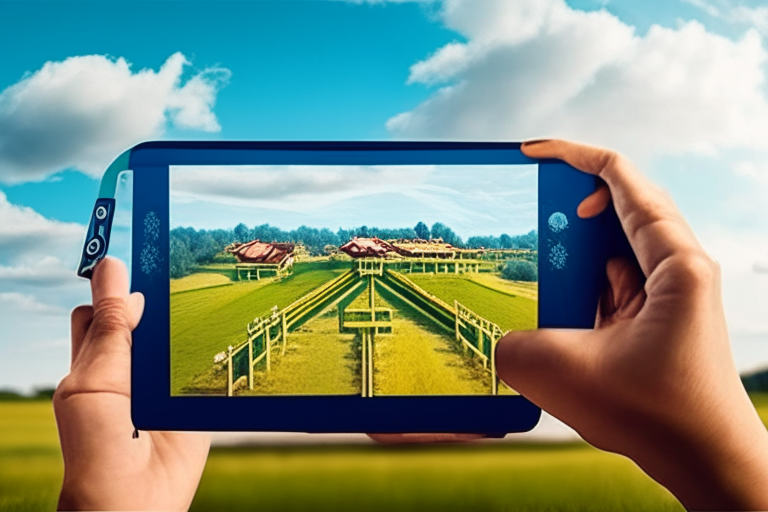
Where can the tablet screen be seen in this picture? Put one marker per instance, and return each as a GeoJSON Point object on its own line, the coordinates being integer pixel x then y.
{"type": "Point", "coordinates": [348, 280]}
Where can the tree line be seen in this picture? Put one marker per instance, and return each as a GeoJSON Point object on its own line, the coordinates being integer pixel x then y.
{"type": "Point", "coordinates": [190, 247]}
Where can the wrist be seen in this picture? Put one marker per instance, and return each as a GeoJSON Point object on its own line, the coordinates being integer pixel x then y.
{"type": "Point", "coordinates": [720, 464]}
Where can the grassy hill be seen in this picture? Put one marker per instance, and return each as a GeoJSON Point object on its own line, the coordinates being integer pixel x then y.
{"type": "Point", "coordinates": [207, 321]}
{"type": "Point", "coordinates": [508, 311]}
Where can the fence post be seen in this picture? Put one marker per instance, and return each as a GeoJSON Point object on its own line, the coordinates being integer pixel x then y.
{"type": "Point", "coordinates": [284, 328]}
{"type": "Point", "coordinates": [363, 364]}
{"type": "Point", "coordinates": [494, 378]}
{"type": "Point", "coordinates": [456, 311]}
{"type": "Point", "coordinates": [229, 371]}
{"type": "Point", "coordinates": [370, 361]}
{"type": "Point", "coordinates": [250, 363]}
{"type": "Point", "coordinates": [480, 339]}
{"type": "Point", "coordinates": [268, 343]}
{"type": "Point", "coordinates": [372, 299]}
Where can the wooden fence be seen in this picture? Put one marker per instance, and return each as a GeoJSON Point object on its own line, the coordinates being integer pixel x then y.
{"type": "Point", "coordinates": [477, 335]}
{"type": "Point", "coordinates": [264, 333]}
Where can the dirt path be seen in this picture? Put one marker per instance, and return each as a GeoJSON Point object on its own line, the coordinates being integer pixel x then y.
{"type": "Point", "coordinates": [418, 360]}
{"type": "Point", "coordinates": [318, 361]}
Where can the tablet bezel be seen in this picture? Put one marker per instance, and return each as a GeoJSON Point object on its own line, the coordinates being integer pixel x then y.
{"type": "Point", "coordinates": [567, 298]}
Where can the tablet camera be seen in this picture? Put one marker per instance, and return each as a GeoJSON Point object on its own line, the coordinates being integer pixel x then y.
{"type": "Point", "coordinates": [94, 246]}
{"type": "Point", "coordinates": [101, 212]}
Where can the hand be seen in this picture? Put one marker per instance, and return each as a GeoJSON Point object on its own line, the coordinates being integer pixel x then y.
{"type": "Point", "coordinates": [105, 468]}
{"type": "Point", "coordinates": [655, 380]}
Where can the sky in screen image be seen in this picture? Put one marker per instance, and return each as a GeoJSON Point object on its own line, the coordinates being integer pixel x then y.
{"type": "Point", "coordinates": [471, 200]}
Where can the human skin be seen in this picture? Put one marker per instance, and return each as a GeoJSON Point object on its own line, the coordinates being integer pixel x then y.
{"type": "Point", "coordinates": [655, 380]}
{"type": "Point", "coordinates": [105, 468]}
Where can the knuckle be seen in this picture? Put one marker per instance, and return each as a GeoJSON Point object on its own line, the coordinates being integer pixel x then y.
{"type": "Point", "coordinates": [63, 390]}
{"type": "Point", "coordinates": [111, 316]}
{"type": "Point", "coordinates": [697, 269]}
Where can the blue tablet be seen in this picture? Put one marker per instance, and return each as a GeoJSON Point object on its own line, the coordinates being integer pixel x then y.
{"type": "Point", "coordinates": [346, 286]}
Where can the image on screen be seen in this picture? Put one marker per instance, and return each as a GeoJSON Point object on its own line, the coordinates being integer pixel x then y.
{"type": "Point", "coordinates": [348, 280]}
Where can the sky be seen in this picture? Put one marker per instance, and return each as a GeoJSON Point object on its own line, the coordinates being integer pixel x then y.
{"type": "Point", "coordinates": [485, 200]}
{"type": "Point", "coordinates": [679, 86]}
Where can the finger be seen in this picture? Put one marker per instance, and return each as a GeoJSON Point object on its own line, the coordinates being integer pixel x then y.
{"type": "Point", "coordinates": [104, 357]}
{"type": "Point", "coordinates": [110, 280]}
{"type": "Point", "coordinates": [595, 203]}
{"type": "Point", "coordinates": [624, 295]}
{"type": "Point", "coordinates": [424, 438]}
{"type": "Point", "coordinates": [80, 321]}
{"type": "Point", "coordinates": [135, 309]}
{"type": "Point", "coordinates": [655, 228]}
{"type": "Point", "coordinates": [541, 364]}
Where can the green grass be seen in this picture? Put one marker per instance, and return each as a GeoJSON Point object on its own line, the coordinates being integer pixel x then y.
{"type": "Point", "coordinates": [31, 466]}
{"type": "Point", "coordinates": [419, 358]}
{"type": "Point", "coordinates": [198, 281]}
{"type": "Point", "coordinates": [351, 478]}
{"type": "Point", "coordinates": [496, 282]}
{"type": "Point", "coordinates": [508, 478]}
{"type": "Point", "coordinates": [318, 360]}
{"type": "Point", "coordinates": [471, 477]}
{"type": "Point", "coordinates": [204, 322]}
{"type": "Point", "coordinates": [760, 401]}
{"type": "Point", "coordinates": [510, 313]}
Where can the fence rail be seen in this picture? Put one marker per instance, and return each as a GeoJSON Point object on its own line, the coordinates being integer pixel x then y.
{"type": "Point", "coordinates": [477, 335]}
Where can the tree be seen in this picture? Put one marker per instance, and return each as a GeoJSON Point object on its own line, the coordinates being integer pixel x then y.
{"type": "Point", "coordinates": [440, 230]}
{"type": "Point", "coordinates": [505, 241]}
{"type": "Point", "coordinates": [422, 231]}
{"type": "Point", "coordinates": [242, 233]}
{"type": "Point", "coordinates": [520, 270]}
{"type": "Point", "coordinates": [181, 262]}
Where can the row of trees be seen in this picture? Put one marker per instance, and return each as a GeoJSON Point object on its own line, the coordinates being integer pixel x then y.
{"type": "Point", "coordinates": [191, 247]}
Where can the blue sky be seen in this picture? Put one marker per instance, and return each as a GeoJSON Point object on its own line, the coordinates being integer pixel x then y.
{"type": "Point", "coordinates": [472, 200]}
{"type": "Point", "coordinates": [678, 85]}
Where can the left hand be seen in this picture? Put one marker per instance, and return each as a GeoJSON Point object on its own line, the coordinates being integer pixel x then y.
{"type": "Point", "coordinates": [105, 468]}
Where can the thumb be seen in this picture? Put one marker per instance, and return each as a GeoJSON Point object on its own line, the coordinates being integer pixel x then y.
{"type": "Point", "coordinates": [543, 364]}
{"type": "Point", "coordinates": [104, 361]}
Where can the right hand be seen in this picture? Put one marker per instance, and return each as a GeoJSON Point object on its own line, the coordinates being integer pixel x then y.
{"type": "Point", "coordinates": [655, 380]}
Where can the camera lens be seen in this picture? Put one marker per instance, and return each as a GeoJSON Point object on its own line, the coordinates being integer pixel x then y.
{"type": "Point", "coordinates": [101, 212]}
{"type": "Point", "coordinates": [93, 247]}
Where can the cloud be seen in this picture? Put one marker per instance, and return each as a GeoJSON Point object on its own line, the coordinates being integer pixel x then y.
{"type": "Point", "coordinates": [296, 188]}
{"type": "Point", "coordinates": [28, 304]}
{"type": "Point", "coordinates": [85, 110]}
{"type": "Point", "coordinates": [732, 12]}
{"type": "Point", "coordinates": [26, 235]}
{"type": "Point", "coordinates": [540, 68]}
{"type": "Point", "coordinates": [761, 267]}
{"type": "Point", "coordinates": [48, 271]}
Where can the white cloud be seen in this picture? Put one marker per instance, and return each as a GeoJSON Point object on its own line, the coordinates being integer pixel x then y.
{"type": "Point", "coordinates": [28, 304]}
{"type": "Point", "coordinates": [540, 68]}
{"type": "Point", "coordinates": [735, 13]}
{"type": "Point", "coordinates": [82, 112]}
{"type": "Point", "coordinates": [48, 271]}
{"type": "Point", "coordinates": [293, 187]}
{"type": "Point", "coordinates": [26, 235]}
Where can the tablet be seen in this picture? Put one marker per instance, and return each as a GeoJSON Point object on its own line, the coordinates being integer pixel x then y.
{"type": "Point", "coordinates": [345, 286]}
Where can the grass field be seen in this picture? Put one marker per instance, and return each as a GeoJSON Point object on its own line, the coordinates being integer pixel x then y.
{"type": "Point", "coordinates": [198, 281]}
{"type": "Point", "coordinates": [509, 312]}
{"type": "Point", "coordinates": [206, 321]}
{"type": "Point", "coordinates": [419, 358]}
{"type": "Point", "coordinates": [495, 281]}
{"type": "Point", "coordinates": [318, 359]}
{"type": "Point", "coordinates": [505, 477]}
